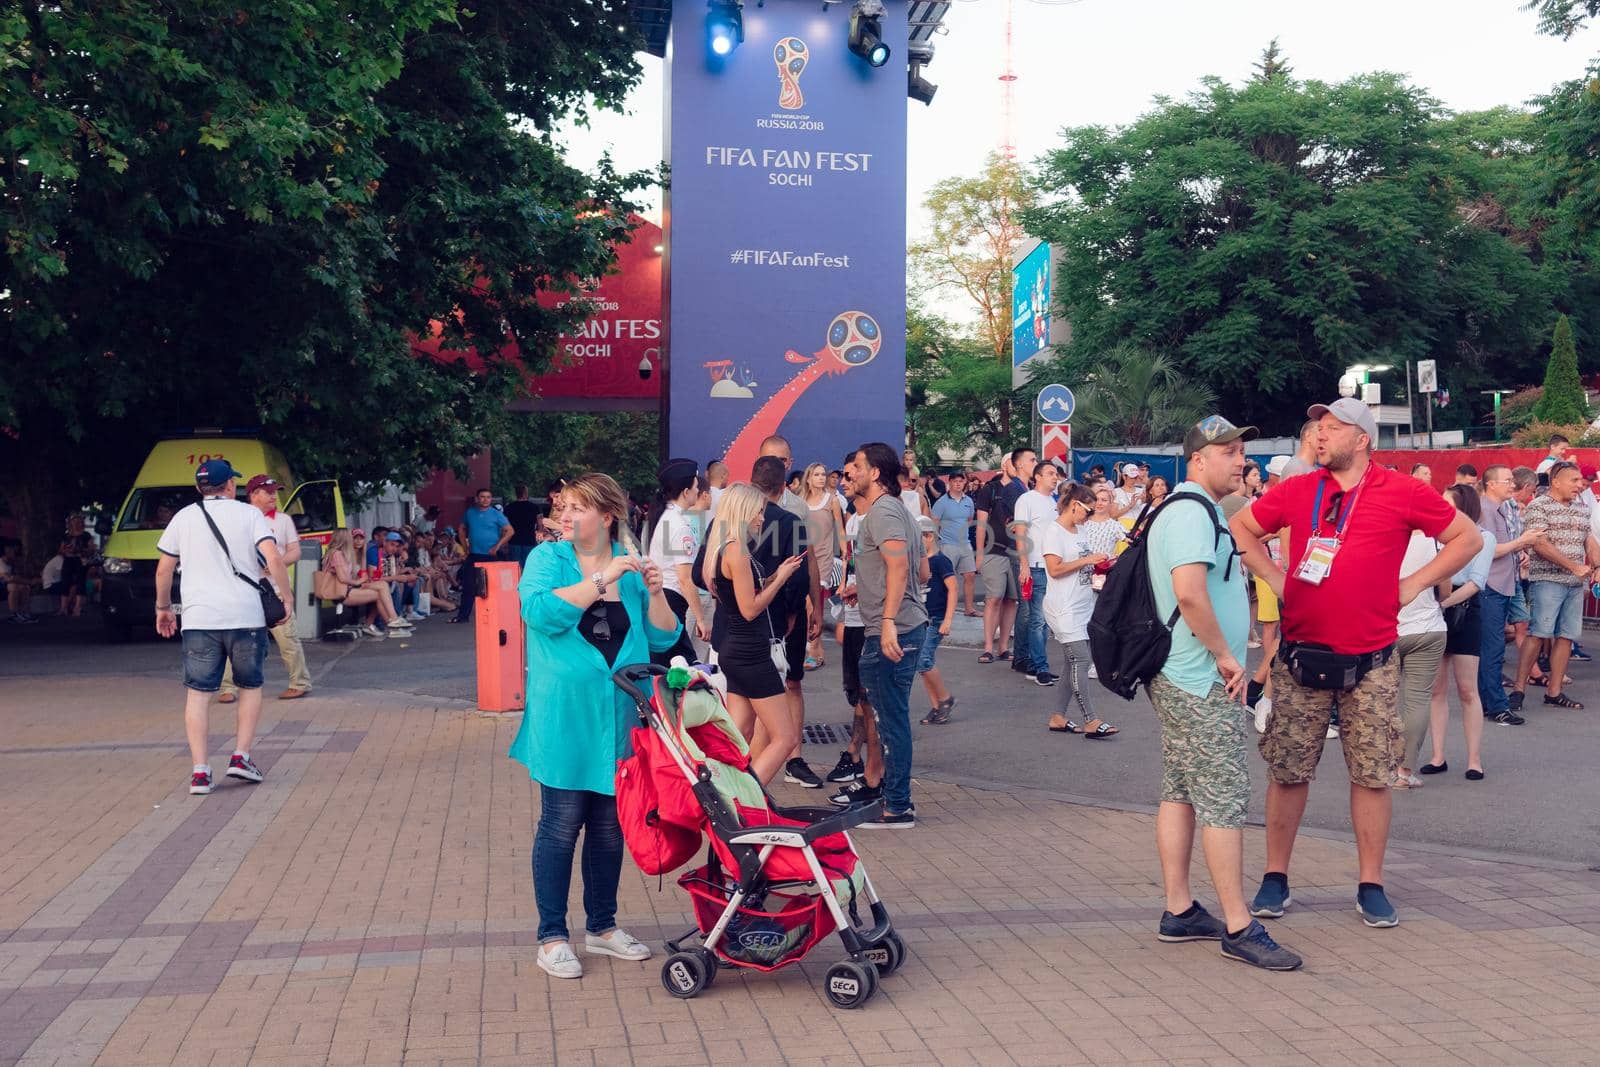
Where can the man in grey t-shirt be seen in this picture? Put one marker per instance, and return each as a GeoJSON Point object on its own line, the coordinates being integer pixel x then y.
{"type": "Point", "coordinates": [889, 577]}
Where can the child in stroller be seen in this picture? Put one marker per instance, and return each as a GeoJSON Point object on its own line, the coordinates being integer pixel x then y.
{"type": "Point", "coordinates": [776, 880]}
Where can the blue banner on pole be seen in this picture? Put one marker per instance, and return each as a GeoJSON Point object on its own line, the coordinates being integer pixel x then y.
{"type": "Point", "coordinates": [786, 225]}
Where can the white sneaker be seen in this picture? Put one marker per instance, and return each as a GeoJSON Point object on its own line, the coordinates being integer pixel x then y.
{"type": "Point", "coordinates": [399, 624]}
{"type": "Point", "coordinates": [618, 943]}
{"type": "Point", "coordinates": [1263, 713]}
{"type": "Point", "coordinates": [559, 961]}
{"type": "Point", "coordinates": [371, 630]}
{"type": "Point", "coordinates": [413, 616]}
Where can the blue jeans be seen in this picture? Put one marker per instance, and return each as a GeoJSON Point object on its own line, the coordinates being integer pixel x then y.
{"type": "Point", "coordinates": [1021, 641]}
{"type": "Point", "coordinates": [562, 813]}
{"type": "Point", "coordinates": [1494, 609]}
{"type": "Point", "coordinates": [890, 686]}
{"type": "Point", "coordinates": [1038, 629]}
{"type": "Point", "coordinates": [206, 652]}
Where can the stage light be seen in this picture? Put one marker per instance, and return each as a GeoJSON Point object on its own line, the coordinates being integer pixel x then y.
{"type": "Point", "coordinates": [724, 26]}
{"type": "Point", "coordinates": [866, 32]}
{"type": "Point", "coordinates": [920, 54]}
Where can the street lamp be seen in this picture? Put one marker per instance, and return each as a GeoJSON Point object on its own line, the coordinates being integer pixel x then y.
{"type": "Point", "coordinates": [1497, 394]}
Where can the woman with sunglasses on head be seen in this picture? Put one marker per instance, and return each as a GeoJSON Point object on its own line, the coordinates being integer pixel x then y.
{"type": "Point", "coordinates": [1069, 562]}
{"type": "Point", "coordinates": [592, 604]}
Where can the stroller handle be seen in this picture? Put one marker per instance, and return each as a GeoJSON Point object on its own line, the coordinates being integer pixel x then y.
{"type": "Point", "coordinates": [629, 677]}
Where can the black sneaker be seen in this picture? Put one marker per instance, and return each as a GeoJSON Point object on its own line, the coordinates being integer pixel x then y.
{"type": "Point", "coordinates": [1253, 945]}
{"type": "Point", "coordinates": [243, 767]}
{"type": "Point", "coordinates": [1514, 699]}
{"type": "Point", "coordinates": [903, 821]}
{"type": "Point", "coordinates": [1044, 678]}
{"type": "Point", "coordinates": [1253, 692]}
{"type": "Point", "coordinates": [797, 772]}
{"type": "Point", "coordinates": [1508, 718]}
{"type": "Point", "coordinates": [860, 793]}
{"type": "Point", "coordinates": [1201, 925]}
{"type": "Point", "coordinates": [846, 770]}
{"type": "Point", "coordinates": [200, 784]}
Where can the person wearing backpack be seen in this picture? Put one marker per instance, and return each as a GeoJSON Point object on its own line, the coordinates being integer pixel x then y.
{"type": "Point", "coordinates": [1198, 698]}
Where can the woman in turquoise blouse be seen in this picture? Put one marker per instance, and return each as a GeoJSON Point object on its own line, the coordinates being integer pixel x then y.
{"type": "Point", "coordinates": [591, 604]}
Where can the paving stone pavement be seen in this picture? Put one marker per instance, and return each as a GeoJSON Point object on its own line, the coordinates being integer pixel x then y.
{"type": "Point", "coordinates": [371, 902]}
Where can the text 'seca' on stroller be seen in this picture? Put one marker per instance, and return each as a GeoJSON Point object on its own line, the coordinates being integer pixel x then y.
{"type": "Point", "coordinates": [776, 881]}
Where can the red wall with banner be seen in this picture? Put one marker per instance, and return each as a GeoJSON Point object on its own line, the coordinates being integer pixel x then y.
{"type": "Point", "coordinates": [600, 359]}
{"type": "Point", "coordinates": [1444, 461]}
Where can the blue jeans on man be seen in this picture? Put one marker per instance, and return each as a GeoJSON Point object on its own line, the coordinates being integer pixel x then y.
{"type": "Point", "coordinates": [1494, 609]}
{"type": "Point", "coordinates": [1021, 641]}
{"type": "Point", "coordinates": [1038, 648]}
{"type": "Point", "coordinates": [890, 685]}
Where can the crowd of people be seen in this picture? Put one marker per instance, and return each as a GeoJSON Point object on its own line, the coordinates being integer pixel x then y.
{"type": "Point", "coordinates": [1371, 596]}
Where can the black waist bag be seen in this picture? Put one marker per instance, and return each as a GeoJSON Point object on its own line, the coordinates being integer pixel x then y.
{"type": "Point", "coordinates": [1320, 667]}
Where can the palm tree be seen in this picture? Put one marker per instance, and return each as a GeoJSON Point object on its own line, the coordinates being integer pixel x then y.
{"type": "Point", "coordinates": [1138, 397]}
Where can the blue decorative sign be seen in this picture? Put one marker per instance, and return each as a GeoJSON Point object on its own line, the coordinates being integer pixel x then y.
{"type": "Point", "coordinates": [786, 227]}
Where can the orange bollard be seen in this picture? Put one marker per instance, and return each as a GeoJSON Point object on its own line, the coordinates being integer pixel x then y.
{"type": "Point", "coordinates": [502, 652]}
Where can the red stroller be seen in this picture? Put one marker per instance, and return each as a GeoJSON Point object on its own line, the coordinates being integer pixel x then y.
{"type": "Point", "coordinates": [776, 881]}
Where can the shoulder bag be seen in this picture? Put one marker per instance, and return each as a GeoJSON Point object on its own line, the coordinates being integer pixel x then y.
{"type": "Point", "coordinates": [271, 604]}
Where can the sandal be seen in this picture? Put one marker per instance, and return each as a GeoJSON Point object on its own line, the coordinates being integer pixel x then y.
{"type": "Point", "coordinates": [1561, 700]}
{"type": "Point", "coordinates": [812, 664]}
{"type": "Point", "coordinates": [987, 657]}
{"type": "Point", "coordinates": [1070, 727]}
{"type": "Point", "coordinates": [1098, 730]}
{"type": "Point", "coordinates": [1004, 655]}
{"type": "Point", "coordinates": [940, 715]}
{"type": "Point", "coordinates": [973, 614]}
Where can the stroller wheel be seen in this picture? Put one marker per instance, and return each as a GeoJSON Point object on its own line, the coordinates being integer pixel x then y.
{"type": "Point", "coordinates": [712, 965]}
{"type": "Point", "coordinates": [685, 975]}
{"type": "Point", "coordinates": [851, 984]}
{"type": "Point", "coordinates": [887, 955]}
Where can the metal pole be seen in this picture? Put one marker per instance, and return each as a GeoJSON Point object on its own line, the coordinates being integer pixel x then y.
{"type": "Point", "coordinates": [1411, 409]}
{"type": "Point", "coordinates": [1427, 400]}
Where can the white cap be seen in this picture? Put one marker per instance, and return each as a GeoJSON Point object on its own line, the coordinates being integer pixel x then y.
{"type": "Point", "coordinates": [1276, 464]}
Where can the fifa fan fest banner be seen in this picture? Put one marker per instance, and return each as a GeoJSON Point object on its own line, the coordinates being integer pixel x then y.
{"type": "Point", "coordinates": [786, 236]}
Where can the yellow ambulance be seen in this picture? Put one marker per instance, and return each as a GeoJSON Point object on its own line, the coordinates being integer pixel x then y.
{"type": "Point", "coordinates": [166, 483]}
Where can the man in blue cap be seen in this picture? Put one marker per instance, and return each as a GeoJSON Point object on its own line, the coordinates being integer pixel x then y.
{"type": "Point", "coordinates": [224, 545]}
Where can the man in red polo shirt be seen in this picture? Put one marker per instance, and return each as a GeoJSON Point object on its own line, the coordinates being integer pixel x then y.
{"type": "Point", "coordinates": [1341, 591]}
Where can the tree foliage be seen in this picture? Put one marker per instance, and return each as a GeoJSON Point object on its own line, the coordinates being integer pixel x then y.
{"type": "Point", "coordinates": [1268, 236]}
{"type": "Point", "coordinates": [958, 395]}
{"type": "Point", "coordinates": [1562, 18]}
{"type": "Point", "coordinates": [1563, 399]}
{"type": "Point", "coordinates": [238, 215]}
{"type": "Point", "coordinates": [1134, 396]}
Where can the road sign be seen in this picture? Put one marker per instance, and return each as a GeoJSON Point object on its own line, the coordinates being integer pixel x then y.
{"type": "Point", "coordinates": [1427, 376]}
{"type": "Point", "coordinates": [1055, 404]}
{"type": "Point", "coordinates": [1057, 443]}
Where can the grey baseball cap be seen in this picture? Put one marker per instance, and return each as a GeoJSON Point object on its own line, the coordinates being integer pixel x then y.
{"type": "Point", "coordinates": [1351, 412]}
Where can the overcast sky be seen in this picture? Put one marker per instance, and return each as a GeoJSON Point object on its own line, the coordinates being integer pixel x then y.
{"type": "Point", "coordinates": [1103, 61]}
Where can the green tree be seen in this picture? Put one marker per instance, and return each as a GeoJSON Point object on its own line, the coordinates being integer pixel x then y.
{"type": "Point", "coordinates": [1266, 237]}
{"type": "Point", "coordinates": [1135, 396]}
{"type": "Point", "coordinates": [958, 395]}
{"type": "Point", "coordinates": [1563, 400]}
{"type": "Point", "coordinates": [239, 217]}
{"type": "Point", "coordinates": [1562, 18]}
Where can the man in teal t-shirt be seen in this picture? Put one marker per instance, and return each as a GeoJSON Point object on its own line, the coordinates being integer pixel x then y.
{"type": "Point", "coordinates": [1198, 696]}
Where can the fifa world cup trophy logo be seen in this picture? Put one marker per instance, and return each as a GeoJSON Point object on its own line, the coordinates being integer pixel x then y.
{"type": "Point", "coordinates": [790, 54]}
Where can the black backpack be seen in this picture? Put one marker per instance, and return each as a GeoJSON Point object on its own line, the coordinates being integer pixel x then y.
{"type": "Point", "coordinates": [1128, 641]}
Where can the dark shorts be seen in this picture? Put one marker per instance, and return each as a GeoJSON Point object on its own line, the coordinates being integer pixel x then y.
{"type": "Point", "coordinates": [1465, 635]}
{"type": "Point", "coordinates": [854, 638]}
{"type": "Point", "coordinates": [206, 652]}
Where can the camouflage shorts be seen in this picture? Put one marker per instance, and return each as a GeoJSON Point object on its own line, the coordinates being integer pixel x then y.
{"type": "Point", "coordinates": [1203, 753]}
{"type": "Point", "coordinates": [1369, 727]}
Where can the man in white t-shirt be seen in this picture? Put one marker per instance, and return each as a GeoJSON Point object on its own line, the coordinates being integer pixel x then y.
{"type": "Point", "coordinates": [1036, 509]}
{"type": "Point", "coordinates": [262, 492]}
{"type": "Point", "coordinates": [222, 616]}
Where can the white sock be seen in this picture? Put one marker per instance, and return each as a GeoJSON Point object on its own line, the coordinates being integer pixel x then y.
{"type": "Point", "coordinates": [202, 768]}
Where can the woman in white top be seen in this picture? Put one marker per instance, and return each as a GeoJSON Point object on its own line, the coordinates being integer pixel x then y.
{"type": "Point", "coordinates": [825, 535]}
{"type": "Point", "coordinates": [1103, 532]}
{"type": "Point", "coordinates": [673, 545]}
{"type": "Point", "coordinates": [1419, 649]}
{"type": "Point", "coordinates": [1463, 642]}
{"type": "Point", "coordinates": [1068, 602]}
